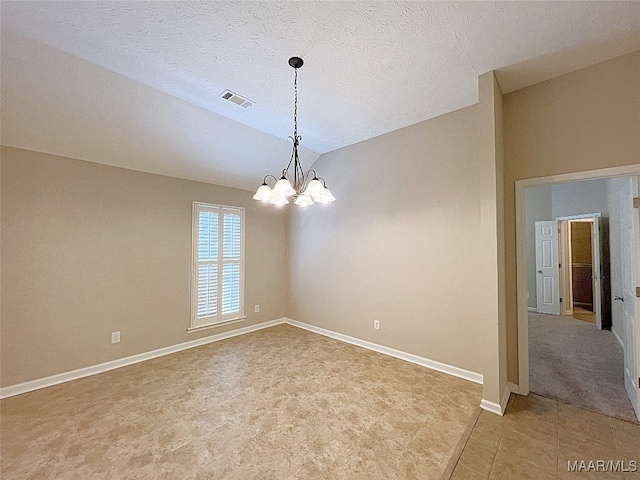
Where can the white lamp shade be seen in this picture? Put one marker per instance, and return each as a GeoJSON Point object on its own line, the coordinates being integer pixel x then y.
{"type": "Point", "coordinates": [263, 193]}
{"type": "Point", "coordinates": [277, 199]}
{"type": "Point", "coordinates": [283, 187]}
{"type": "Point", "coordinates": [303, 201]}
{"type": "Point", "coordinates": [326, 197]}
{"type": "Point", "coordinates": [314, 189]}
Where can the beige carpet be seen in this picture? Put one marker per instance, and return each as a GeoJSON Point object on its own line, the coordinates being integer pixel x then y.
{"type": "Point", "coordinates": [280, 403]}
{"type": "Point", "coordinates": [574, 362]}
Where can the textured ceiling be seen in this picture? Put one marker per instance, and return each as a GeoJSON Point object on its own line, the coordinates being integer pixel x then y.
{"type": "Point", "coordinates": [370, 68]}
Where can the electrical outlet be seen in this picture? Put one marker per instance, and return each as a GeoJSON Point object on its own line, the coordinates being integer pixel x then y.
{"type": "Point", "coordinates": [115, 337]}
{"type": "Point", "coordinates": [376, 324]}
{"type": "Point", "coordinates": [257, 308]}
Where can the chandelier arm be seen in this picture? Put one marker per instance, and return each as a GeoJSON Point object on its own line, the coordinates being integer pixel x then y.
{"type": "Point", "coordinates": [293, 155]}
{"type": "Point", "coordinates": [315, 175]}
{"type": "Point", "coordinates": [299, 176]}
{"type": "Point", "coordinates": [264, 181]}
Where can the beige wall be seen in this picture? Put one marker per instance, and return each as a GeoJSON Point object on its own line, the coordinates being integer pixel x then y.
{"type": "Point", "coordinates": [88, 249]}
{"type": "Point", "coordinates": [585, 120]}
{"type": "Point", "coordinates": [399, 245]}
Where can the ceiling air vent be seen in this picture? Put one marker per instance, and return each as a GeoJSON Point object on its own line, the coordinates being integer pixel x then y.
{"type": "Point", "coordinates": [235, 98]}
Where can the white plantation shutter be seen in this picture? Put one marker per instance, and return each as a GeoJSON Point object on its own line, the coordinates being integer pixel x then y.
{"type": "Point", "coordinates": [231, 288]}
{"type": "Point", "coordinates": [207, 290]}
{"type": "Point", "coordinates": [231, 234]}
{"type": "Point", "coordinates": [218, 264]}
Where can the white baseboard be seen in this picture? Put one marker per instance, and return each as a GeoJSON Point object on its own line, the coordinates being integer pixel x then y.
{"type": "Point", "coordinates": [25, 387]}
{"type": "Point", "coordinates": [617, 337]}
{"type": "Point", "coordinates": [532, 309]}
{"type": "Point", "coordinates": [29, 386]}
{"type": "Point", "coordinates": [409, 357]}
{"type": "Point", "coordinates": [494, 407]}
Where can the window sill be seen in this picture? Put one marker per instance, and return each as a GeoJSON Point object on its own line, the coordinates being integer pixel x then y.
{"type": "Point", "coordinates": [214, 325]}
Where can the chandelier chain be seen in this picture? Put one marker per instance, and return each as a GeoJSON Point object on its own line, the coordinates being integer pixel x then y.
{"type": "Point", "coordinates": [295, 104]}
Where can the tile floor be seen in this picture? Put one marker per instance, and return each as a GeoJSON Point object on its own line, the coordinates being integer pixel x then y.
{"type": "Point", "coordinates": [537, 438]}
{"type": "Point", "coordinates": [280, 403]}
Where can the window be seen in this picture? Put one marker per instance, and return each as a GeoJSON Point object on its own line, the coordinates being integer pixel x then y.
{"type": "Point", "coordinates": [217, 277]}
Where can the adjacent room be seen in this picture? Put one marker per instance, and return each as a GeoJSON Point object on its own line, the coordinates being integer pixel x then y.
{"type": "Point", "coordinates": [576, 345]}
{"type": "Point", "coordinates": [267, 240]}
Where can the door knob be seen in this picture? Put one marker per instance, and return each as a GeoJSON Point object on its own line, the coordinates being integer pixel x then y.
{"type": "Point", "coordinates": [618, 298]}
{"type": "Point", "coordinates": [539, 271]}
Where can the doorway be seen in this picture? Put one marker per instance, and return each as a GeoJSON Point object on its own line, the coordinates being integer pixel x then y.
{"type": "Point", "coordinates": [572, 269]}
{"type": "Point", "coordinates": [585, 268]}
{"type": "Point", "coordinates": [578, 267]}
{"type": "Point", "coordinates": [581, 274]}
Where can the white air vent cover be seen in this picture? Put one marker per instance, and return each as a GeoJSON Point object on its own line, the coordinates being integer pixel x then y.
{"type": "Point", "coordinates": [235, 98]}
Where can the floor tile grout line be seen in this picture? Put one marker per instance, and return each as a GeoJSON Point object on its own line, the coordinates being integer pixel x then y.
{"type": "Point", "coordinates": [615, 442]}
{"type": "Point", "coordinates": [495, 455]}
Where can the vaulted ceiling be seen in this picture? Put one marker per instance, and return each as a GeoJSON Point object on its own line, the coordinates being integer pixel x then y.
{"type": "Point", "coordinates": [137, 84]}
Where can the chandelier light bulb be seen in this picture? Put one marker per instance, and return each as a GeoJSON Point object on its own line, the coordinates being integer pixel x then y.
{"type": "Point", "coordinates": [278, 200]}
{"type": "Point", "coordinates": [303, 200]}
{"type": "Point", "coordinates": [314, 189]}
{"type": "Point", "coordinates": [326, 197]}
{"type": "Point", "coordinates": [263, 193]}
{"type": "Point", "coordinates": [283, 187]}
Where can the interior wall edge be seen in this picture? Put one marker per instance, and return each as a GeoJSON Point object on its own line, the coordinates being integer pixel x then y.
{"type": "Point", "coordinates": [494, 407]}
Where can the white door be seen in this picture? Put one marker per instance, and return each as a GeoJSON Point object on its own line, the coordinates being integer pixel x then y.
{"type": "Point", "coordinates": [628, 235]}
{"type": "Point", "coordinates": [547, 268]}
{"type": "Point", "coordinates": [595, 271]}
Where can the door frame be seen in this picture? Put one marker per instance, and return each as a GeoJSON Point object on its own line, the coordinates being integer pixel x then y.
{"type": "Point", "coordinates": [566, 279]}
{"type": "Point", "coordinates": [521, 253]}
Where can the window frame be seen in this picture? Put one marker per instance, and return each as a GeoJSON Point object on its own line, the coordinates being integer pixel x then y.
{"type": "Point", "coordinates": [196, 323]}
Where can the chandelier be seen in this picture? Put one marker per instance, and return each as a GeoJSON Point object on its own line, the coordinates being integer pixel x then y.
{"type": "Point", "coordinates": [295, 186]}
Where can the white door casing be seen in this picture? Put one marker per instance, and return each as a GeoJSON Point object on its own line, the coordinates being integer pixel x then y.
{"type": "Point", "coordinates": [547, 268]}
{"type": "Point", "coordinates": [628, 236]}
{"type": "Point", "coordinates": [564, 257]}
{"type": "Point", "coordinates": [595, 269]}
